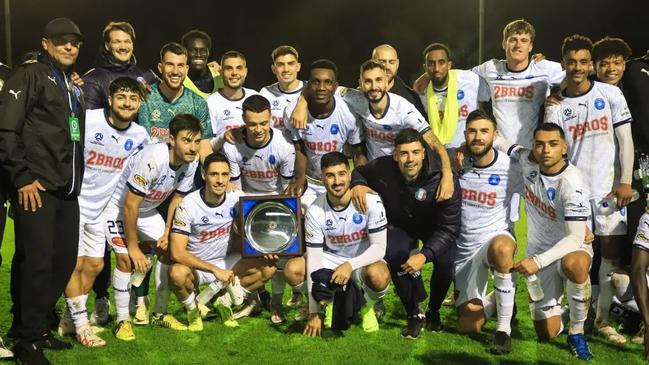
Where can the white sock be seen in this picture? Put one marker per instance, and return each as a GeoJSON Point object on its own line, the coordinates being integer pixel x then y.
{"type": "Point", "coordinates": [489, 305]}
{"type": "Point", "coordinates": [162, 291]}
{"type": "Point", "coordinates": [578, 303]}
{"type": "Point", "coordinates": [277, 284]}
{"type": "Point", "coordinates": [190, 302]}
{"type": "Point", "coordinates": [621, 286]}
{"type": "Point", "coordinates": [605, 297]}
{"type": "Point", "coordinates": [78, 311]}
{"type": "Point", "coordinates": [504, 293]}
{"type": "Point", "coordinates": [122, 293]}
{"type": "Point", "coordinates": [371, 296]}
{"type": "Point", "coordinates": [141, 300]}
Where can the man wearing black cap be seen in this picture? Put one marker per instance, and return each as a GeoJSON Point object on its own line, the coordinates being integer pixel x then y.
{"type": "Point", "coordinates": [41, 150]}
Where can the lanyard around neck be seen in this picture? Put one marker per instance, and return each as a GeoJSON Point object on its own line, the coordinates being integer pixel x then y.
{"type": "Point", "coordinates": [63, 84]}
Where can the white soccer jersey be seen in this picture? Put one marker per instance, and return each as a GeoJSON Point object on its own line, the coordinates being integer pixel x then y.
{"type": "Point", "coordinates": [262, 169]}
{"type": "Point", "coordinates": [148, 174]}
{"type": "Point", "coordinates": [517, 97]}
{"type": "Point", "coordinates": [468, 86]}
{"type": "Point", "coordinates": [550, 200]}
{"type": "Point", "coordinates": [106, 152]}
{"type": "Point", "coordinates": [589, 122]}
{"type": "Point", "coordinates": [486, 196]}
{"type": "Point", "coordinates": [225, 113]}
{"type": "Point", "coordinates": [324, 135]}
{"type": "Point", "coordinates": [279, 99]}
{"type": "Point", "coordinates": [380, 132]}
{"type": "Point", "coordinates": [208, 227]}
{"type": "Point", "coordinates": [343, 232]}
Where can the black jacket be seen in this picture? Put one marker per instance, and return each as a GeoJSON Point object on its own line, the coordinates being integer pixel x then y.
{"type": "Point", "coordinates": [35, 138]}
{"type": "Point", "coordinates": [400, 88]}
{"type": "Point", "coordinates": [635, 86]}
{"type": "Point", "coordinates": [412, 206]}
{"type": "Point", "coordinates": [107, 69]}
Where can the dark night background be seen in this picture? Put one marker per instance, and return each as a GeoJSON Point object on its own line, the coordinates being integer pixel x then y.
{"type": "Point", "coordinates": [344, 31]}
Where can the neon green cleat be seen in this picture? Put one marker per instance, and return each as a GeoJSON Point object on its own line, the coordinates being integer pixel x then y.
{"type": "Point", "coordinates": [368, 319]}
{"type": "Point", "coordinates": [195, 323]}
{"type": "Point", "coordinates": [225, 315]}
{"type": "Point", "coordinates": [203, 310]}
{"type": "Point", "coordinates": [124, 331]}
{"type": "Point", "coordinates": [328, 315]}
{"type": "Point", "coordinates": [168, 321]}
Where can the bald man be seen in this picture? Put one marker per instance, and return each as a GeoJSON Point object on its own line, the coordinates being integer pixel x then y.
{"type": "Point", "coordinates": [387, 55]}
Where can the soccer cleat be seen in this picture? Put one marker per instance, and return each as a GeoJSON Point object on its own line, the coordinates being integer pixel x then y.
{"type": "Point", "coordinates": [168, 321]}
{"type": "Point", "coordinates": [236, 292]}
{"type": "Point", "coordinates": [638, 338]}
{"type": "Point", "coordinates": [608, 332]}
{"type": "Point", "coordinates": [579, 346]}
{"type": "Point", "coordinates": [302, 314]}
{"type": "Point", "coordinates": [53, 343]}
{"type": "Point", "coordinates": [5, 353]}
{"type": "Point", "coordinates": [66, 326]}
{"type": "Point", "coordinates": [124, 331]}
{"type": "Point", "coordinates": [100, 316]}
{"type": "Point", "coordinates": [379, 309]}
{"type": "Point", "coordinates": [141, 317]}
{"type": "Point", "coordinates": [502, 344]}
{"type": "Point", "coordinates": [89, 339]}
{"type": "Point", "coordinates": [276, 313]}
{"type": "Point", "coordinates": [433, 322]}
{"type": "Point", "coordinates": [225, 316]}
{"type": "Point", "coordinates": [252, 307]}
{"type": "Point", "coordinates": [413, 329]}
{"type": "Point", "coordinates": [295, 300]}
{"type": "Point", "coordinates": [203, 310]}
{"type": "Point", "coordinates": [368, 319]}
{"type": "Point", "coordinates": [328, 315]}
{"type": "Point", "coordinates": [195, 323]}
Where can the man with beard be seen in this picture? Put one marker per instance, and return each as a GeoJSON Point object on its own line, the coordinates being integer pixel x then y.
{"type": "Point", "coordinates": [285, 66]}
{"type": "Point", "coordinates": [485, 242]}
{"type": "Point", "coordinates": [597, 121]}
{"type": "Point", "coordinates": [225, 111]}
{"type": "Point", "coordinates": [201, 79]}
{"type": "Point", "coordinates": [115, 59]}
{"type": "Point", "coordinates": [450, 95]}
{"type": "Point", "coordinates": [111, 137]}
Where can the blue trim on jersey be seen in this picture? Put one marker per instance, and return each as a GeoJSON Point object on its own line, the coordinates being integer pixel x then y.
{"type": "Point", "coordinates": [379, 229]}
{"type": "Point", "coordinates": [582, 218]}
{"type": "Point", "coordinates": [314, 245]}
{"type": "Point", "coordinates": [134, 190]}
{"type": "Point", "coordinates": [176, 230]}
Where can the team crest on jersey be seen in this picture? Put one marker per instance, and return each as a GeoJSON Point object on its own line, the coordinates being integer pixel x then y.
{"type": "Point", "coordinates": [357, 218]}
{"type": "Point", "coordinates": [204, 219]}
{"type": "Point", "coordinates": [179, 223]}
{"type": "Point", "coordinates": [272, 159]}
{"type": "Point", "coordinates": [128, 145]}
{"type": "Point", "coordinates": [551, 193]}
{"type": "Point", "coordinates": [226, 112]}
{"type": "Point", "coordinates": [334, 129]}
{"type": "Point", "coordinates": [494, 179]}
{"type": "Point", "coordinates": [140, 180]}
{"type": "Point", "coordinates": [460, 95]}
{"type": "Point", "coordinates": [156, 115]}
{"type": "Point", "coordinates": [420, 194]}
{"type": "Point", "coordinates": [387, 127]}
{"type": "Point", "coordinates": [599, 104]}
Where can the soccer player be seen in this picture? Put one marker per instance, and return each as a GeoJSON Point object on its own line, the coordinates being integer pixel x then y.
{"type": "Point", "coordinates": [330, 125]}
{"type": "Point", "coordinates": [201, 78]}
{"type": "Point", "coordinates": [610, 56]}
{"type": "Point", "coordinates": [407, 182]}
{"type": "Point", "coordinates": [341, 238]}
{"type": "Point", "coordinates": [111, 138]}
{"type": "Point", "coordinates": [639, 272]}
{"type": "Point", "coordinates": [596, 119]}
{"type": "Point", "coordinates": [225, 104]}
{"type": "Point", "coordinates": [201, 235]}
{"type": "Point", "coordinates": [133, 223]}
{"type": "Point", "coordinates": [558, 210]}
{"type": "Point", "coordinates": [286, 66]}
{"type": "Point", "coordinates": [485, 242]}
{"type": "Point", "coordinates": [449, 96]}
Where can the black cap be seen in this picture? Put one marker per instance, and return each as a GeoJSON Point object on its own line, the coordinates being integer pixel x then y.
{"type": "Point", "coordinates": [61, 26]}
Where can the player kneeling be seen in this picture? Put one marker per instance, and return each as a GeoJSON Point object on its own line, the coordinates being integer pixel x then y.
{"type": "Point", "coordinates": [200, 237]}
{"type": "Point", "coordinates": [340, 238]}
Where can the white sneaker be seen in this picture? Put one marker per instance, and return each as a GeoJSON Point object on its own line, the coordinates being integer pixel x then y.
{"type": "Point", "coordinates": [101, 315]}
{"type": "Point", "coordinates": [5, 353]}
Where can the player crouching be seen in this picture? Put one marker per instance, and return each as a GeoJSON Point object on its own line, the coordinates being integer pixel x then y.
{"type": "Point", "coordinates": [200, 237]}
{"type": "Point", "coordinates": [340, 238]}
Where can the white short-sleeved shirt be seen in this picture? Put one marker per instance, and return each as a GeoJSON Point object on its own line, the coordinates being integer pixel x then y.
{"type": "Point", "coordinates": [589, 122]}
{"type": "Point", "coordinates": [343, 232]}
{"type": "Point", "coordinates": [486, 196]}
{"type": "Point", "coordinates": [468, 86]}
{"type": "Point", "coordinates": [278, 99]}
{"type": "Point", "coordinates": [550, 200]}
{"type": "Point", "coordinates": [517, 97]}
{"type": "Point", "coordinates": [208, 227]}
{"type": "Point", "coordinates": [225, 113]}
{"type": "Point", "coordinates": [380, 132]}
{"type": "Point", "coordinates": [106, 153]}
{"type": "Point", "coordinates": [323, 135]}
{"type": "Point", "coordinates": [262, 169]}
{"type": "Point", "coordinates": [148, 174]}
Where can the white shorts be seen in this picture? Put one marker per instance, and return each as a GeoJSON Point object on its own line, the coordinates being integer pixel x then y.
{"type": "Point", "coordinates": [331, 261]}
{"type": "Point", "coordinates": [226, 263]}
{"type": "Point", "coordinates": [608, 225]}
{"type": "Point", "coordinates": [553, 283]}
{"type": "Point", "coordinates": [641, 239]}
{"type": "Point", "coordinates": [92, 237]}
{"type": "Point", "coordinates": [472, 273]}
{"type": "Point", "coordinates": [150, 227]}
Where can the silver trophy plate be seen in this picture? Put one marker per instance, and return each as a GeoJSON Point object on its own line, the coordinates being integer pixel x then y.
{"type": "Point", "coordinates": [271, 227]}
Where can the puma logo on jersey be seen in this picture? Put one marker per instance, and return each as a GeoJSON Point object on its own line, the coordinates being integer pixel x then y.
{"type": "Point", "coordinates": [218, 214]}
{"type": "Point", "coordinates": [645, 71]}
{"type": "Point", "coordinates": [320, 126]}
{"type": "Point", "coordinates": [150, 167]}
{"type": "Point", "coordinates": [259, 157]}
{"type": "Point", "coordinates": [342, 219]}
{"type": "Point", "coordinates": [579, 192]}
{"type": "Point", "coordinates": [52, 79]}
{"type": "Point", "coordinates": [116, 139]}
{"type": "Point", "coordinates": [15, 93]}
